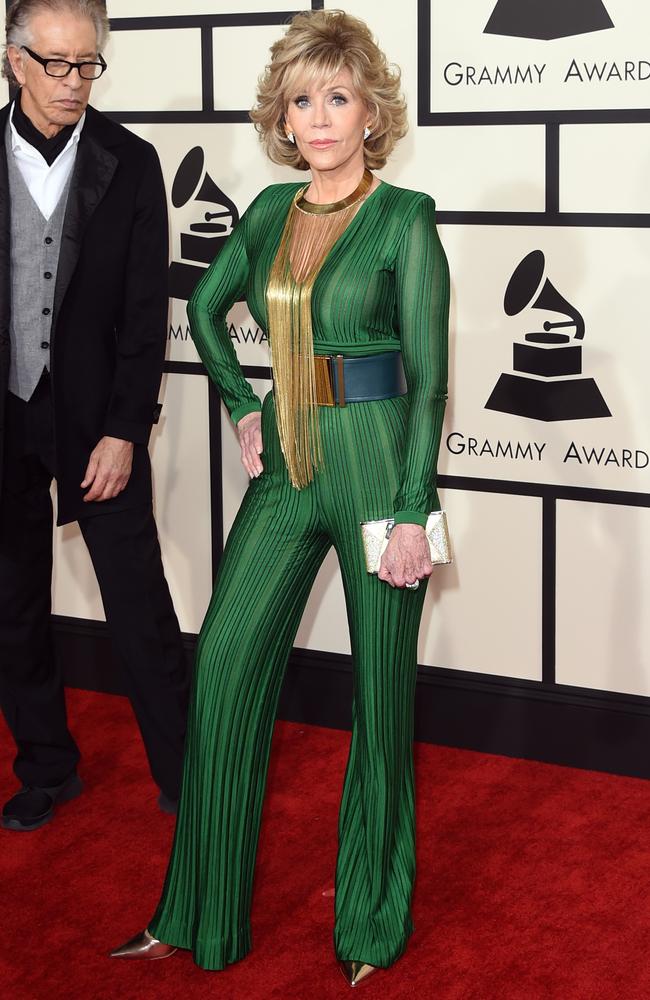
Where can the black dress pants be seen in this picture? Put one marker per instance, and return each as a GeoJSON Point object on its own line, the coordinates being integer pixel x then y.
{"type": "Point", "coordinates": [125, 552]}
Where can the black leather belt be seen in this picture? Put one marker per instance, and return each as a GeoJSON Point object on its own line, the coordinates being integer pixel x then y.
{"type": "Point", "coordinates": [340, 380]}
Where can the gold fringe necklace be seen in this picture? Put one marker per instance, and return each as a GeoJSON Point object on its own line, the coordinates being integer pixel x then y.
{"type": "Point", "coordinates": [309, 234]}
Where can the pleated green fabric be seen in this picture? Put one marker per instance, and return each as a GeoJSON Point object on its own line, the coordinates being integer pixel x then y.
{"type": "Point", "coordinates": [384, 286]}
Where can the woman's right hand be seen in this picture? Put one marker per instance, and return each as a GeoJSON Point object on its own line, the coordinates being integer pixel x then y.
{"type": "Point", "coordinates": [249, 429]}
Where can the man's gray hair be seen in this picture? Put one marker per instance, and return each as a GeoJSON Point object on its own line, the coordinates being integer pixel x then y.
{"type": "Point", "coordinates": [21, 11]}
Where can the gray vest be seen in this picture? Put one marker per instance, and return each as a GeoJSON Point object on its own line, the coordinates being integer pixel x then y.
{"type": "Point", "coordinates": [35, 245]}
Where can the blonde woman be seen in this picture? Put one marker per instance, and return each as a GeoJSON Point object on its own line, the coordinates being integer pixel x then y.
{"type": "Point", "coordinates": [349, 277]}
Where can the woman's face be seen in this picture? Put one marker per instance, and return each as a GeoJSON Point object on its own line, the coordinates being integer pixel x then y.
{"type": "Point", "coordinates": [327, 120]}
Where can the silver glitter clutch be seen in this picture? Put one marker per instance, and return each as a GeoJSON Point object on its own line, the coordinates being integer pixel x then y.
{"type": "Point", "coordinates": [375, 536]}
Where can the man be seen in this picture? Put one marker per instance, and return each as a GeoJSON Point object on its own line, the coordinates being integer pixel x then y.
{"type": "Point", "coordinates": [83, 307]}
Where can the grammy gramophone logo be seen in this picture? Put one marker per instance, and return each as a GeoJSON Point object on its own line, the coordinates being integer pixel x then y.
{"type": "Point", "coordinates": [547, 19]}
{"type": "Point", "coordinates": [203, 240]}
{"type": "Point", "coordinates": [547, 383]}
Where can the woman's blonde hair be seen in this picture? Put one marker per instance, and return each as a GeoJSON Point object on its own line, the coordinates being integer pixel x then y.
{"type": "Point", "coordinates": [317, 46]}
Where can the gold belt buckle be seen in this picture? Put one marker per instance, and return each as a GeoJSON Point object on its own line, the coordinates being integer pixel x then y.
{"type": "Point", "coordinates": [324, 372]}
{"type": "Point", "coordinates": [324, 382]}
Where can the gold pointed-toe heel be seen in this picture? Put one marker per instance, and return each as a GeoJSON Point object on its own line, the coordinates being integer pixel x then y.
{"type": "Point", "coordinates": [143, 946]}
{"type": "Point", "coordinates": [356, 972]}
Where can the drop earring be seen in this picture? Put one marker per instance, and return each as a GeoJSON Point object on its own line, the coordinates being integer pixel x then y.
{"type": "Point", "coordinates": [291, 137]}
{"type": "Point", "coordinates": [366, 133]}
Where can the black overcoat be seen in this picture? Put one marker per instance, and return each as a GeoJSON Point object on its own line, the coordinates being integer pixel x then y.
{"type": "Point", "coordinates": [110, 308]}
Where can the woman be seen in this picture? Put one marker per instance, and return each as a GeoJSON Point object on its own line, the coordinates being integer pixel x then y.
{"type": "Point", "coordinates": [349, 277]}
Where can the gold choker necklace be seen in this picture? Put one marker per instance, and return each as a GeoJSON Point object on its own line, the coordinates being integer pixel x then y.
{"type": "Point", "coordinates": [311, 208]}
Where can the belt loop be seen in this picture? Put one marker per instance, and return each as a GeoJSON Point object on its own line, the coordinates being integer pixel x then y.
{"type": "Point", "coordinates": [340, 378]}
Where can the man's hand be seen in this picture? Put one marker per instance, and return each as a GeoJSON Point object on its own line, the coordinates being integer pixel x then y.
{"type": "Point", "coordinates": [109, 469]}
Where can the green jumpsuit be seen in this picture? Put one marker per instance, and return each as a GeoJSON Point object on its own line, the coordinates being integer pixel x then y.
{"type": "Point", "coordinates": [384, 286]}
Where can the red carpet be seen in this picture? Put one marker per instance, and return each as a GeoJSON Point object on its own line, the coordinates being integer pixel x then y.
{"type": "Point", "coordinates": [533, 880]}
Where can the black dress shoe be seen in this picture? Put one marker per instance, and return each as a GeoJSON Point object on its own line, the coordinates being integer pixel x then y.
{"type": "Point", "coordinates": [167, 805]}
{"type": "Point", "coordinates": [32, 808]}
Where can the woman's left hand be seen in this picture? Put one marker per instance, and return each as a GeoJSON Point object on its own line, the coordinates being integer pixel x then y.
{"type": "Point", "coordinates": [407, 557]}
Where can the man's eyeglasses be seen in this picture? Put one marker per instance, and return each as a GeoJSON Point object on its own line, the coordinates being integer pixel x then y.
{"type": "Point", "coordinates": [61, 67]}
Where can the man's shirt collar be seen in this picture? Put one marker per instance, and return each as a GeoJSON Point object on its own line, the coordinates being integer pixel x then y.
{"type": "Point", "coordinates": [18, 143]}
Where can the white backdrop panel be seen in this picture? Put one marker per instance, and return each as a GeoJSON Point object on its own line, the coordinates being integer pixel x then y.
{"type": "Point", "coordinates": [145, 74]}
{"type": "Point", "coordinates": [604, 274]}
{"type": "Point", "coordinates": [324, 624]}
{"type": "Point", "coordinates": [74, 588]}
{"type": "Point", "coordinates": [474, 168]}
{"type": "Point", "coordinates": [477, 72]}
{"type": "Point", "coordinates": [181, 473]}
{"type": "Point", "coordinates": [619, 166]}
{"type": "Point", "coordinates": [483, 612]}
{"type": "Point", "coordinates": [180, 451]}
{"type": "Point", "coordinates": [235, 79]}
{"type": "Point", "coordinates": [603, 593]}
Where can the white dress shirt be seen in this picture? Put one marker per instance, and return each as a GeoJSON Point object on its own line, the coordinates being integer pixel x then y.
{"type": "Point", "coordinates": [44, 182]}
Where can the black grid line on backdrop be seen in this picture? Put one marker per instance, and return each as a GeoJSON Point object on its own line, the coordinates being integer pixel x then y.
{"type": "Point", "coordinates": [477, 684]}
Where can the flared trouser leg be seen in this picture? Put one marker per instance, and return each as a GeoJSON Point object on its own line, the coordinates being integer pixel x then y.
{"type": "Point", "coordinates": [376, 859]}
{"type": "Point", "coordinates": [268, 568]}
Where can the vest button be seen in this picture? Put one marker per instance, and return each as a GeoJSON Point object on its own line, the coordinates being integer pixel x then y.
{"type": "Point", "coordinates": [45, 345]}
{"type": "Point", "coordinates": [48, 275]}
{"type": "Point", "coordinates": [46, 311]}
{"type": "Point", "coordinates": [48, 241]}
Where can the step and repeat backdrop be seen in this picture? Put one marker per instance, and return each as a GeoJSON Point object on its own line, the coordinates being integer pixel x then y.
{"type": "Point", "coordinates": [530, 128]}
